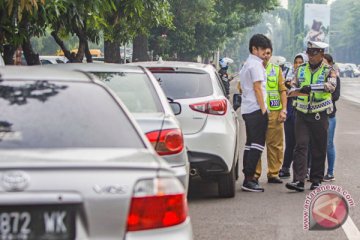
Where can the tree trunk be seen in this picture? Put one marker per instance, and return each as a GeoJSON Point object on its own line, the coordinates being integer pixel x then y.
{"type": "Point", "coordinates": [9, 51]}
{"type": "Point", "coordinates": [31, 57]}
{"type": "Point", "coordinates": [61, 44]}
{"type": "Point", "coordinates": [112, 52]}
{"type": "Point", "coordinates": [140, 48]}
{"type": "Point", "coordinates": [87, 53]}
{"type": "Point", "coordinates": [81, 50]}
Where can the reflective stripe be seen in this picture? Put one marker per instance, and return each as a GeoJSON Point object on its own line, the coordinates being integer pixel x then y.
{"type": "Point", "coordinates": [317, 101]}
{"type": "Point", "coordinates": [272, 87]}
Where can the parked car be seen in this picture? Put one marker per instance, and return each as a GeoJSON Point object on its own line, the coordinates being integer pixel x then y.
{"type": "Point", "coordinates": [52, 60]}
{"type": "Point", "coordinates": [210, 124]}
{"type": "Point", "coordinates": [355, 71]}
{"type": "Point", "coordinates": [344, 70]}
{"type": "Point", "coordinates": [145, 99]}
{"type": "Point", "coordinates": [75, 165]}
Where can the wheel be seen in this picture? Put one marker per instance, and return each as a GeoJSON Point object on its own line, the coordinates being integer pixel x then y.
{"type": "Point", "coordinates": [226, 184]}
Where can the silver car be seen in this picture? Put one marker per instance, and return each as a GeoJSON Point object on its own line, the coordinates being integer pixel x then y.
{"type": "Point", "coordinates": [145, 99]}
{"type": "Point", "coordinates": [209, 122]}
{"type": "Point", "coordinates": [74, 164]}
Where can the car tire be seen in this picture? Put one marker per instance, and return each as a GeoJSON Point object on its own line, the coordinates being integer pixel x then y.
{"type": "Point", "coordinates": [226, 184]}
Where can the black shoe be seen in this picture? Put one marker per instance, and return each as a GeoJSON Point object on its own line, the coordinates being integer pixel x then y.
{"type": "Point", "coordinates": [315, 185]}
{"type": "Point", "coordinates": [328, 178]}
{"type": "Point", "coordinates": [284, 174]}
{"type": "Point", "coordinates": [297, 186]}
{"type": "Point", "coordinates": [251, 186]}
{"type": "Point", "coordinates": [274, 180]}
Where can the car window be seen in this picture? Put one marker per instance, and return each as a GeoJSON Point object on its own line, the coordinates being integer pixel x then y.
{"type": "Point", "coordinates": [180, 85]}
{"type": "Point", "coordinates": [134, 89]}
{"type": "Point", "coordinates": [220, 83]}
{"type": "Point", "coordinates": [39, 114]}
{"type": "Point", "coordinates": [44, 62]}
{"type": "Point", "coordinates": [59, 61]}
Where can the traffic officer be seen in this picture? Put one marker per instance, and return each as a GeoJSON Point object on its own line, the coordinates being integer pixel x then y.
{"type": "Point", "coordinates": [317, 81]}
{"type": "Point", "coordinates": [276, 102]}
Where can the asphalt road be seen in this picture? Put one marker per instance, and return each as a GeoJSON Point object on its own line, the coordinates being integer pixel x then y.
{"type": "Point", "coordinates": [278, 213]}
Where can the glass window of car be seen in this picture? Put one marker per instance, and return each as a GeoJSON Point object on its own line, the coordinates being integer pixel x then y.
{"type": "Point", "coordinates": [134, 89]}
{"type": "Point", "coordinates": [39, 114]}
{"type": "Point", "coordinates": [44, 62]}
{"type": "Point", "coordinates": [182, 85]}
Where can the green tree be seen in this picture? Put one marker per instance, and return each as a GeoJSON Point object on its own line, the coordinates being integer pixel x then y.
{"type": "Point", "coordinates": [345, 31]}
{"type": "Point", "coordinates": [129, 19]}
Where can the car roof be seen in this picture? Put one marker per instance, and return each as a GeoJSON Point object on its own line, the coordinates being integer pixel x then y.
{"type": "Point", "coordinates": [177, 65]}
{"type": "Point", "coordinates": [98, 67]}
{"type": "Point", "coordinates": [40, 73]}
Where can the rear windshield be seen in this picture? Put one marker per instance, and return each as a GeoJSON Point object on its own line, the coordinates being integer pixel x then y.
{"type": "Point", "coordinates": [134, 89]}
{"type": "Point", "coordinates": [185, 85]}
{"type": "Point", "coordinates": [39, 114]}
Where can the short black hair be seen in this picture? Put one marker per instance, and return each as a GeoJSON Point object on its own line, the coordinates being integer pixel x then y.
{"type": "Point", "coordinates": [259, 41]}
{"type": "Point", "coordinates": [329, 58]}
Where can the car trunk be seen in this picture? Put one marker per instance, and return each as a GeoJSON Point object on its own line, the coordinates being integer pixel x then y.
{"type": "Point", "coordinates": [186, 86]}
{"type": "Point", "coordinates": [150, 122]}
{"type": "Point", "coordinates": [82, 192]}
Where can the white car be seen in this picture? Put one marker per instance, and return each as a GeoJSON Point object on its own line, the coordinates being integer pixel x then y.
{"type": "Point", "coordinates": [209, 123]}
{"type": "Point", "coordinates": [52, 60]}
{"type": "Point", "coordinates": [2, 63]}
{"type": "Point", "coordinates": [75, 165]}
{"type": "Point", "coordinates": [145, 99]}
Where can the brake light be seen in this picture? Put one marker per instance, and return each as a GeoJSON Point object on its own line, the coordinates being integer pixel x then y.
{"type": "Point", "coordinates": [157, 203]}
{"type": "Point", "coordinates": [215, 107]}
{"type": "Point", "coordinates": [166, 142]}
{"type": "Point", "coordinates": [161, 69]}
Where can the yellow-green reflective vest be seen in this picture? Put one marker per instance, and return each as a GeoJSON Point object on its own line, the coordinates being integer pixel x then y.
{"type": "Point", "coordinates": [316, 101]}
{"type": "Point", "coordinates": [272, 87]}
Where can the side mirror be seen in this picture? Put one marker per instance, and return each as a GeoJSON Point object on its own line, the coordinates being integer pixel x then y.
{"type": "Point", "coordinates": [236, 101]}
{"type": "Point", "coordinates": [176, 107]}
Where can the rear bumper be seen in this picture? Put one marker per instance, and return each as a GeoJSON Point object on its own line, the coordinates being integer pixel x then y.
{"type": "Point", "coordinates": [182, 173]}
{"type": "Point", "coordinates": [182, 231]}
{"type": "Point", "coordinates": [207, 164]}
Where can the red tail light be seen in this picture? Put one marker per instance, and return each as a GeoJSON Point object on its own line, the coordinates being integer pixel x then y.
{"type": "Point", "coordinates": [157, 203]}
{"type": "Point", "coordinates": [166, 142]}
{"type": "Point", "coordinates": [215, 107]}
{"type": "Point", "coordinates": [161, 69]}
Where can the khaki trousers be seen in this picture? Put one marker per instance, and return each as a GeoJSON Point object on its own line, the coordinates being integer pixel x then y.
{"type": "Point", "coordinates": [274, 145]}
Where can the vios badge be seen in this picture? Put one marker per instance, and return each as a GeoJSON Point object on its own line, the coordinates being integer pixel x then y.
{"type": "Point", "coordinates": [15, 181]}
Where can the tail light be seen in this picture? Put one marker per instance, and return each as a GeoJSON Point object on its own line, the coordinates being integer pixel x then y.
{"type": "Point", "coordinates": [215, 107]}
{"type": "Point", "coordinates": [157, 203]}
{"type": "Point", "coordinates": [167, 141]}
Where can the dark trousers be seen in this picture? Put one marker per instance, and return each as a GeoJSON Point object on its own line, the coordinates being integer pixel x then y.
{"type": "Point", "coordinates": [289, 127]}
{"type": "Point", "coordinates": [256, 125]}
{"type": "Point", "coordinates": [307, 129]}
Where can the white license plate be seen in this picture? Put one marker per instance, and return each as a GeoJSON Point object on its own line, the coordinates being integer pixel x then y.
{"type": "Point", "coordinates": [37, 222]}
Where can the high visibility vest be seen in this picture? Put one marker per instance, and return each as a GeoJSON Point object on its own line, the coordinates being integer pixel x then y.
{"type": "Point", "coordinates": [272, 87]}
{"type": "Point", "coordinates": [316, 101]}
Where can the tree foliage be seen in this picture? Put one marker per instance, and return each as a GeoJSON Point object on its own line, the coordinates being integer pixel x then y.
{"type": "Point", "coordinates": [345, 31]}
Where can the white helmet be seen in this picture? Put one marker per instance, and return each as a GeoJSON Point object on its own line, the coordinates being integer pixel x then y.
{"type": "Point", "coordinates": [224, 62]}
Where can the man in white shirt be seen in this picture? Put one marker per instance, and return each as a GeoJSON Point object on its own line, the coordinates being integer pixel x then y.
{"type": "Point", "coordinates": [254, 109]}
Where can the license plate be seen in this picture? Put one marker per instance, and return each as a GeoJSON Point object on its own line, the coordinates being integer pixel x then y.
{"type": "Point", "coordinates": [50, 222]}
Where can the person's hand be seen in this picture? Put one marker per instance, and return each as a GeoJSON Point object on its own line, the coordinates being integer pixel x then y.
{"type": "Point", "coordinates": [282, 116]}
{"type": "Point", "coordinates": [288, 84]}
{"type": "Point", "coordinates": [305, 89]}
